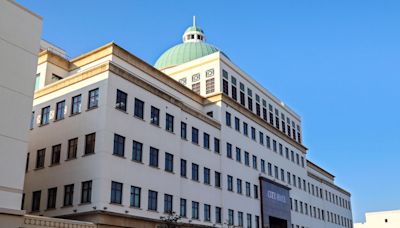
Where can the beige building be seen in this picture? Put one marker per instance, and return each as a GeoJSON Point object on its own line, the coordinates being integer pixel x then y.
{"type": "Point", "coordinates": [380, 219]}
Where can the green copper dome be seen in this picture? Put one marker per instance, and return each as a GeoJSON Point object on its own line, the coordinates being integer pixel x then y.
{"type": "Point", "coordinates": [193, 47]}
{"type": "Point", "coordinates": [183, 53]}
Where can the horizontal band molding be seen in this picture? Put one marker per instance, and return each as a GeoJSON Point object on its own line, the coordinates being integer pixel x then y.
{"type": "Point", "coordinates": [337, 188]}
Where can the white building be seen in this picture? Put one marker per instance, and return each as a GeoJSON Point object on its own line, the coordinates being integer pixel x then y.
{"type": "Point", "coordinates": [120, 143]}
{"type": "Point", "coordinates": [381, 219]}
{"type": "Point", "coordinates": [20, 32]}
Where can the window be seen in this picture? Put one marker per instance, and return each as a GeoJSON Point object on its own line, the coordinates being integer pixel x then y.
{"type": "Point", "coordinates": [119, 145]}
{"type": "Point", "coordinates": [169, 162]}
{"type": "Point", "coordinates": [255, 191]}
{"type": "Point", "coordinates": [36, 200]}
{"type": "Point", "coordinates": [269, 169]}
{"type": "Point", "coordinates": [242, 99]}
{"type": "Point", "coordinates": [228, 119]}
{"type": "Point", "coordinates": [167, 203]}
{"type": "Point", "coordinates": [238, 154]}
{"type": "Point", "coordinates": [169, 123]}
{"type": "Point", "coordinates": [90, 141]}
{"type": "Point", "coordinates": [152, 200]}
{"type": "Point", "coordinates": [182, 210]}
{"type": "Point", "coordinates": [218, 215]}
{"type": "Point", "coordinates": [225, 87]}
{"type": "Point", "coordinates": [248, 192]}
{"type": "Point", "coordinates": [230, 217]}
{"type": "Point", "coordinates": [155, 116]}
{"type": "Point", "coordinates": [239, 186]}
{"type": "Point", "coordinates": [206, 141]}
{"type": "Point", "coordinates": [86, 196]}
{"type": "Point", "coordinates": [230, 183]}
{"type": "Point", "coordinates": [195, 135]}
{"type": "Point", "coordinates": [217, 179]}
{"type": "Point", "coordinates": [183, 168]}
{"type": "Point", "coordinates": [261, 136]}
{"type": "Point", "coordinates": [32, 124]}
{"type": "Point", "coordinates": [93, 101]}
{"type": "Point", "coordinates": [116, 192]}
{"type": "Point", "coordinates": [37, 82]}
{"type": "Point", "coordinates": [121, 101]}
{"type": "Point", "coordinates": [135, 196]}
{"type": "Point", "coordinates": [276, 172]}
{"type": "Point", "coordinates": [210, 86]}
{"type": "Point", "coordinates": [274, 148]}
{"type": "Point", "coordinates": [254, 162]}
{"type": "Point", "coordinates": [282, 175]}
{"type": "Point", "coordinates": [72, 148]}
{"type": "Point", "coordinates": [262, 166]}
{"type": "Point", "coordinates": [40, 158]}
{"type": "Point", "coordinates": [139, 109]}
{"type": "Point", "coordinates": [153, 157]}
{"type": "Point", "coordinates": [44, 119]}
{"type": "Point", "coordinates": [229, 150]}
{"type": "Point", "coordinates": [246, 158]}
{"type": "Point", "coordinates": [253, 133]}
{"type": "Point", "coordinates": [137, 148]}
{"type": "Point", "coordinates": [250, 103]}
{"type": "Point", "coordinates": [68, 195]}
{"type": "Point", "coordinates": [76, 105]}
{"type": "Point", "coordinates": [240, 219]}
{"type": "Point", "coordinates": [195, 172]}
{"type": "Point", "coordinates": [195, 210]}
{"type": "Point", "coordinates": [55, 154]}
{"type": "Point", "coordinates": [245, 129]}
{"type": "Point", "coordinates": [207, 212]}
{"type": "Point", "coordinates": [249, 221]}
{"type": "Point", "coordinates": [234, 92]}
{"type": "Point", "coordinates": [60, 108]}
{"type": "Point", "coordinates": [196, 87]}
{"type": "Point", "coordinates": [216, 145]}
{"type": "Point", "coordinates": [268, 139]}
{"type": "Point", "coordinates": [51, 198]}
{"type": "Point", "coordinates": [27, 162]}
{"type": "Point", "coordinates": [237, 124]}
{"type": "Point", "coordinates": [183, 130]}
{"type": "Point", "coordinates": [206, 175]}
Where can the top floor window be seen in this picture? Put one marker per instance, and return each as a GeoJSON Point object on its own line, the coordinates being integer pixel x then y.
{"type": "Point", "coordinates": [155, 116]}
{"type": "Point", "coordinates": [139, 108]}
{"type": "Point", "coordinates": [121, 101]}
{"type": "Point", "coordinates": [76, 105]}
{"type": "Point", "coordinates": [93, 98]}
{"type": "Point", "coordinates": [183, 130]}
{"type": "Point", "coordinates": [45, 115]}
{"type": "Point", "coordinates": [195, 135]}
{"type": "Point", "coordinates": [169, 122]}
{"type": "Point", "coordinates": [228, 119]}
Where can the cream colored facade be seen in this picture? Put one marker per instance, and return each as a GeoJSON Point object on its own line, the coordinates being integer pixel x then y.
{"type": "Point", "coordinates": [98, 184]}
{"type": "Point", "coordinates": [381, 219]}
{"type": "Point", "coordinates": [19, 44]}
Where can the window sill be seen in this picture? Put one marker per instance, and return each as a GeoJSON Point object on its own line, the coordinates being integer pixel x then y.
{"type": "Point", "coordinates": [56, 120]}
{"type": "Point", "coordinates": [74, 114]}
{"type": "Point", "coordinates": [92, 108]}
{"type": "Point", "coordinates": [55, 164]}
{"type": "Point", "coordinates": [83, 204]}
{"type": "Point", "coordinates": [117, 204]}
{"type": "Point", "coordinates": [139, 118]}
{"type": "Point", "coordinates": [121, 110]}
{"type": "Point", "coordinates": [196, 144]}
{"type": "Point", "coordinates": [39, 168]}
{"type": "Point", "coordinates": [171, 132]}
{"type": "Point", "coordinates": [67, 206]}
{"type": "Point", "coordinates": [119, 156]}
{"type": "Point", "coordinates": [70, 159]}
{"type": "Point", "coordinates": [154, 167]}
{"type": "Point", "coordinates": [155, 125]}
{"type": "Point", "coordinates": [136, 208]}
{"type": "Point", "coordinates": [42, 125]}
{"type": "Point", "coordinates": [171, 172]}
{"type": "Point", "coordinates": [50, 209]}
{"type": "Point", "coordinates": [154, 211]}
{"type": "Point", "coordinates": [139, 162]}
{"type": "Point", "coordinates": [85, 155]}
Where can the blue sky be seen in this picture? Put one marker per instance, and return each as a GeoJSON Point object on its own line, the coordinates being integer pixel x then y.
{"type": "Point", "coordinates": [336, 63]}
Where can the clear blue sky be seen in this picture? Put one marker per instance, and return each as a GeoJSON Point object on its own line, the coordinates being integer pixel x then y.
{"type": "Point", "coordinates": [336, 63]}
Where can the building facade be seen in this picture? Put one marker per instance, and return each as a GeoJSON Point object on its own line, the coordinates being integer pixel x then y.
{"type": "Point", "coordinates": [121, 143]}
{"type": "Point", "coordinates": [384, 219]}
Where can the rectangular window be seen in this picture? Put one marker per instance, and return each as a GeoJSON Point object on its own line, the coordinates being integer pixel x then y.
{"type": "Point", "coordinates": [240, 219]}
{"type": "Point", "coordinates": [135, 196]}
{"type": "Point", "coordinates": [32, 124]}
{"type": "Point", "coordinates": [206, 141]}
{"type": "Point", "coordinates": [76, 105]}
{"type": "Point", "coordinates": [93, 101]}
{"type": "Point", "coordinates": [119, 145]}
{"type": "Point", "coordinates": [44, 119]}
{"type": "Point", "coordinates": [195, 210]}
{"type": "Point", "coordinates": [262, 166]}
{"type": "Point", "coordinates": [72, 148]}
{"type": "Point", "coordinates": [60, 109]}
{"type": "Point", "coordinates": [40, 156]}
{"type": "Point", "coordinates": [206, 175]}
{"type": "Point", "coordinates": [250, 103]}
{"type": "Point", "coordinates": [182, 208]}
{"type": "Point", "coordinates": [242, 99]}
{"type": "Point", "coordinates": [246, 158]}
{"type": "Point", "coordinates": [121, 101]}
{"type": "Point", "coordinates": [245, 129]}
{"type": "Point", "coordinates": [153, 157]}
{"type": "Point", "coordinates": [237, 124]}
{"type": "Point", "coordinates": [261, 136]}
{"type": "Point", "coordinates": [207, 212]}
{"type": "Point", "coordinates": [234, 92]}
{"type": "Point", "coordinates": [255, 191]}
{"type": "Point", "coordinates": [86, 194]}
{"type": "Point", "coordinates": [282, 175]}
{"type": "Point", "coordinates": [229, 150]}
{"type": "Point", "coordinates": [155, 116]}
{"type": "Point", "coordinates": [152, 200]}
{"type": "Point", "coordinates": [68, 195]}
{"type": "Point", "coordinates": [274, 147]}
{"type": "Point", "coordinates": [196, 87]}
{"type": "Point", "coordinates": [258, 109]}
{"type": "Point", "coordinates": [195, 172]}
{"type": "Point", "coordinates": [225, 87]}
{"type": "Point", "coordinates": [167, 203]}
{"type": "Point", "coordinates": [218, 215]}
{"type": "Point", "coordinates": [253, 133]}
{"type": "Point", "coordinates": [139, 108]}
{"type": "Point", "coordinates": [137, 149]}
{"type": "Point", "coordinates": [216, 145]}
{"type": "Point", "coordinates": [238, 155]}
{"type": "Point", "coordinates": [231, 220]}
{"type": "Point", "coordinates": [230, 183]}
{"type": "Point", "coordinates": [255, 162]}
{"type": "Point", "coordinates": [169, 162]}
{"type": "Point", "coordinates": [276, 172]}
{"type": "Point", "coordinates": [239, 186]}
{"type": "Point", "coordinates": [27, 162]}
{"type": "Point", "coordinates": [217, 179]}
{"type": "Point", "coordinates": [169, 122]}
{"type": "Point", "coordinates": [248, 191]}
{"type": "Point", "coordinates": [249, 225]}
{"type": "Point", "coordinates": [280, 149]}
{"type": "Point", "coordinates": [51, 198]}
{"type": "Point", "coordinates": [210, 86]}
{"type": "Point", "coordinates": [90, 141]}
{"type": "Point", "coordinates": [268, 139]}
{"type": "Point", "coordinates": [195, 135]}
{"type": "Point", "coordinates": [228, 119]}
{"type": "Point", "coordinates": [269, 169]}
{"type": "Point", "coordinates": [116, 192]}
{"type": "Point", "coordinates": [36, 200]}
{"type": "Point", "coordinates": [183, 168]}
{"type": "Point", "coordinates": [55, 154]}
{"type": "Point", "coordinates": [183, 130]}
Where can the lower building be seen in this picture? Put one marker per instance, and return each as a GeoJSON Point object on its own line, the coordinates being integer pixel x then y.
{"type": "Point", "coordinates": [381, 219]}
{"type": "Point", "coordinates": [195, 141]}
